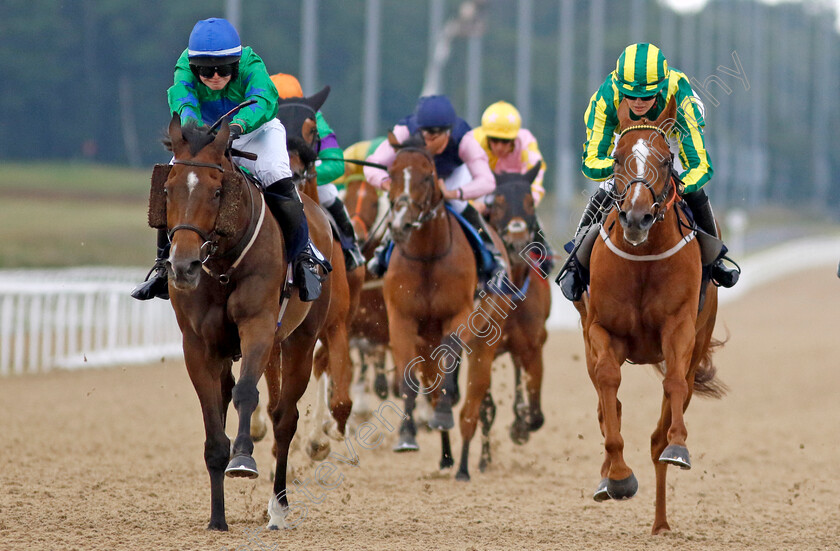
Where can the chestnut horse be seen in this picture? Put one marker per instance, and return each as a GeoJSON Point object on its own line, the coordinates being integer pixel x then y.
{"type": "Point", "coordinates": [333, 358]}
{"type": "Point", "coordinates": [429, 289]}
{"type": "Point", "coordinates": [512, 214]}
{"type": "Point", "coordinates": [643, 305]}
{"type": "Point", "coordinates": [227, 270]}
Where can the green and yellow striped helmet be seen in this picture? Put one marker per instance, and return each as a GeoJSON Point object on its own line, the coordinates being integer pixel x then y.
{"type": "Point", "coordinates": [641, 70]}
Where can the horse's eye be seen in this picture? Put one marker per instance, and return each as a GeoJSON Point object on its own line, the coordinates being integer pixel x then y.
{"type": "Point", "coordinates": [218, 193]}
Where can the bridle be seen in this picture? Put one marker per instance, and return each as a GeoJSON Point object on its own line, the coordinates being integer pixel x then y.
{"type": "Point", "coordinates": [666, 198]}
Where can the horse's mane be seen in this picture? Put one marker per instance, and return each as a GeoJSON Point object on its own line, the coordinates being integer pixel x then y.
{"type": "Point", "coordinates": [197, 137]}
{"type": "Point", "coordinates": [296, 144]}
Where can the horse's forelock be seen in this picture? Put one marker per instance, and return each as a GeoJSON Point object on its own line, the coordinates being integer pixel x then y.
{"type": "Point", "coordinates": [197, 138]}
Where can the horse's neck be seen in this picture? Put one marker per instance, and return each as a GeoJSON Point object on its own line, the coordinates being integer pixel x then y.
{"type": "Point", "coordinates": [519, 270]}
{"type": "Point", "coordinates": [310, 188]}
{"type": "Point", "coordinates": [432, 239]}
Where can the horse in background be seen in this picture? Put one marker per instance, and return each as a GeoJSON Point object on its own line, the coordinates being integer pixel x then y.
{"type": "Point", "coordinates": [333, 357]}
{"type": "Point", "coordinates": [643, 305]}
{"type": "Point", "coordinates": [511, 212]}
{"type": "Point", "coordinates": [429, 289]}
{"type": "Point", "coordinates": [227, 270]}
{"type": "Point", "coordinates": [369, 328]}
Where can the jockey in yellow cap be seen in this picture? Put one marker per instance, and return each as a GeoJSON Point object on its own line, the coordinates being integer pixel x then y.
{"type": "Point", "coordinates": [511, 148]}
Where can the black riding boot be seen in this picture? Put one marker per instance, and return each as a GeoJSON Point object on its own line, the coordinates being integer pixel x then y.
{"type": "Point", "coordinates": [156, 283]}
{"type": "Point", "coordinates": [285, 204]}
{"type": "Point", "coordinates": [571, 282]}
{"type": "Point", "coordinates": [700, 206]}
{"type": "Point", "coordinates": [353, 257]}
{"type": "Point", "coordinates": [477, 221]}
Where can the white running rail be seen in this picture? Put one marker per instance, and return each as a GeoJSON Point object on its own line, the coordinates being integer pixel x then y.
{"type": "Point", "coordinates": [80, 317]}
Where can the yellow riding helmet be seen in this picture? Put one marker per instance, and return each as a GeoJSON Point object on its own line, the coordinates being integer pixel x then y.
{"type": "Point", "coordinates": [641, 70]}
{"type": "Point", "coordinates": [501, 120]}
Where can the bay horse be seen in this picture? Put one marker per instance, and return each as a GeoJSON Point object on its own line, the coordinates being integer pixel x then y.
{"type": "Point", "coordinates": [512, 214]}
{"type": "Point", "coordinates": [643, 305]}
{"type": "Point", "coordinates": [227, 270]}
{"type": "Point", "coordinates": [429, 288]}
{"type": "Point", "coordinates": [333, 357]}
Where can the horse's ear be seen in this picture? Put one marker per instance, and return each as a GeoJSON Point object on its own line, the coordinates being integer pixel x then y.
{"type": "Point", "coordinates": [392, 140]}
{"type": "Point", "coordinates": [229, 203]}
{"type": "Point", "coordinates": [623, 114]}
{"type": "Point", "coordinates": [531, 175]}
{"type": "Point", "coordinates": [220, 142]}
{"type": "Point", "coordinates": [157, 196]}
{"type": "Point", "coordinates": [668, 116]}
{"type": "Point", "coordinates": [315, 101]}
{"type": "Point", "coordinates": [176, 138]}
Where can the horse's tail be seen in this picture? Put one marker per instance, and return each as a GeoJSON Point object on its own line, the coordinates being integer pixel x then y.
{"type": "Point", "coordinates": [706, 383]}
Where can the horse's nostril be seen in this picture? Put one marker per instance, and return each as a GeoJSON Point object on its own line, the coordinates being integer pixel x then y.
{"type": "Point", "coordinates": [647, 221]}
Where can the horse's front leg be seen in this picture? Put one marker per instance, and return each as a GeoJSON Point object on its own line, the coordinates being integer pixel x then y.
{"type": "Point", "coordinates": [677, 347]}
{"type": "Point", "coordinates": [519, 432]}
{"type": "Point", "coordinates": [212, 380]}
{"type": "Point", "coordinates": [478, 385]}
{"type": "Point", "coordinates": [404, 351]}
{"type": "Point", "coordinates": [256, 337]}
{"type": "Point", "coordinates": [283, 399]}
{"type": "Point", "coordinates": [487, 414]}
{"type": "Point", "coordinates": [604, 364]}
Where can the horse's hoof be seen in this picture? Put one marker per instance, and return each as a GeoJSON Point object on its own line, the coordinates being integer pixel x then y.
{"type": "Point", "coordinates": [442, 418]}
{"type": "Point", "coordinates": [462, 476]}
{"type": "Point", "coordinates": [483, 464]}
{"type": "Point", "coordinates": [219, 526]}
{"type": "Point", "coordinates": [519, 432]}
{"type": "Point", "coordinates": [446, 463]}
{"type": "Point", "coordinates": [660, 529]}
{"type": "Point", "coordinates": [601, 493]}
{"type": "Point", "coordinates": [622, 489]}
{"type": "Point", "coordinates": [380, 386]}
{"type": "Point", "coordinates": [318, 451]}
{"type": "Point", "coordinates": [406, 443]}
{"type": "Point", "coordinates": [242, 466]}
{"type": "Point", "coordinates": [676, 455]}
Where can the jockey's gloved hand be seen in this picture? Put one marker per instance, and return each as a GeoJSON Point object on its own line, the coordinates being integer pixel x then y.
{"type": "Point", "coordinates": [235, 132]}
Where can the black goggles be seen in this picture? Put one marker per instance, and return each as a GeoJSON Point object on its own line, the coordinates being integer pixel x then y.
{"type": "Point", "coordinates": [208, 72]}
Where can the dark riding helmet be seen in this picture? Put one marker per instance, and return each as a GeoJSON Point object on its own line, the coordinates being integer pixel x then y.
{"type": "Point", "coordinates": [435, 111]}
{"type": "Point", "coordinates": [214, 42]}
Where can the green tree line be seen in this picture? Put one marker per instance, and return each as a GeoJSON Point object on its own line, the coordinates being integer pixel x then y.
{"type": "Point", "coordinates": [86, 79]}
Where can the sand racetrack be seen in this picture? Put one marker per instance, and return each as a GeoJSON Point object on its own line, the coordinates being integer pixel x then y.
{"type": "Point", "coordinates": [113, 459]}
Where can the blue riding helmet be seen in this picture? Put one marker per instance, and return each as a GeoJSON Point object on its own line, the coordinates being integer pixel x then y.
{"type": "Point", "coordinates": [214, 42]}
{"type": "Point", "coordinates": [435, 111]}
